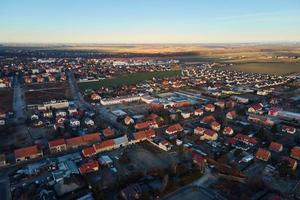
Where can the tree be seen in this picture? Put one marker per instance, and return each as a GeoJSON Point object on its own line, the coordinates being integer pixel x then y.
{"type": "Point", "coordinates": [284, 168]}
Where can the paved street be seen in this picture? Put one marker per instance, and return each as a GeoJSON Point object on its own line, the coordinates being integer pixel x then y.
{"type": "Point", "coordinates": [18, 102]}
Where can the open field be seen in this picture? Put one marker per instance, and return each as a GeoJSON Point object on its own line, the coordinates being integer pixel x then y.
{"type": "Point", "coordinates": [127, 79]}
{"type": "Point", "coordinates": [271, 68]}
{"type": "Point", "coordinates": [250, 52]}
{"type": "Point", "coordinates": [46, 92]}
{"type": "Point", "coordinates": [6, 99]}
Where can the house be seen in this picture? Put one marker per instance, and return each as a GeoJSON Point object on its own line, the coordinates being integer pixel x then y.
{"type": "Point", "coordinates": [209, 135]}
{"type": "Point", "coordinates": [295, 152]}
{"type": "Point", "coordinates": [108, 132]}
{"type": "Point", "coordinates": [74, 142]}
{"type": "Point", "coordinates": [288, 129]}
{"type": "Point", "coordinates": [263, 154]}
{"type": "Point", "coordinates": [273, 111]}
{"type": "Point", "coordinates": [95, 97]}
{"type": "Point", "coordinates": [251, 141]}
{"type": "Point", "coordinates": [152, 117]}
{"type": "Point", "coordinates": [48, 114]}
{"type": "Point", "coordinates": [74, 122]}
{"type": "Point", "coordinates": [90, 166]}
{"type": "Point", "coordinates": [88, 151]}
{"type": "Point", "coordinates": [198, 112]}
{"type": "Point", "coordinates": [199, 130]}
{"type": "Point", "coordinates": [143, 135]}
{"type": "Point", "coordinates": [275, 146]}
{"type": "Point", "coordinates": [215, 126]}
{"type": "Point", "coordinates": [27, 153]}
{"type": "Point", "coordinates": [2, 122]}
{"type": "Point", "coordinates": [256, 108]}
{"type": "Point", "coordinates": [220, 104]}
{"type": "Point", "coordinates": [104, 145]}
{"type": "Point", "coordinates": [58, 145]}
{"type": "Point", "coordinates": [131, 192]}
{"type": "Point", "coordinates": [91, 138]}
{"type": "Point", "coordinates": [186, 112]}
{"type": "Point", "coordinates": [61, 113]}
{"type": "Point", "coordinates": [199, 160]}
{"type": "Point", "coordinates": [208, 119]}
{"type": "Point", "coordinates": [2, 160]}
{"type": "Point", "coordinates": [230, 104]}
{"type": "Point", "coordinates": [146, 125]}
{"type": "Point", "coordinates": [72, 110]}
{"type": "Point", "coordinates": [34, 117]}
{"type": "Point", "coordinates": [228, 130]}
{"type": "Point", "coordinates": [292, 162]}
{"type": "Point", "coordinates": [174, 129]}
{"type": "Point", "coordinates": [164, 145]}
{"type": "Point", "coordinates": [128, 120]}
{"type": "Point", "coordinates": [51, 78]}
{"type": "Point", "coordinates": [209, 108]}
{"type": "Point", "coordinates": [89, 122]}
{"type": "Point", "coordinates": [231, 115]}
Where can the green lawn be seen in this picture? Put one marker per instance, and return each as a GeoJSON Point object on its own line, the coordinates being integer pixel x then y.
{"type": "Point", "coordinates": [127, 79]}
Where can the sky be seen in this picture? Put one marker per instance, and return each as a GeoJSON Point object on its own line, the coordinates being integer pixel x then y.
{"type": "Point", "coordinates": [149, 21]}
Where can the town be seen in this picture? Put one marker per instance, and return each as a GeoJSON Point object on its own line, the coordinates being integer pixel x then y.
{"type": "Point", "coordinates": [84, 127]}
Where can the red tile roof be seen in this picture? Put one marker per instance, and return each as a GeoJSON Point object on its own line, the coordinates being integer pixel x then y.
{"type": "Point", "coordinates": [263, 154]}
{"type": "Point", "coordinates": [88, 151]}
{"type": "Point", "coordinates": [275, 146]}
{"type": "Point", "coordinates": [245, 138]}
{"type": "Point", "coordinates": [90, 166]}
{"type": "Point", "coordinates": [209, 132]}
{"type": "Point", "coordinates": [140, 135]}
{"type": "Point", "coordinates": [108, 132]}
{"type": "Point", "coordinates": [75, 141]}
{"type": "Point", "coordinates": [142, 125]}
{"type": "Point", "coordinates": [174, 128]}
{"type": "Point", "coordinates": [227, 130]}
{"type": "Point", "coordinates": [288, 129]}
{"type": "Point", "coordinates": [293, 162]}
{"type": "Point", "coordinates": [27, 151]}
{"type": "Point", "coordinates": [55, 143]}
{"type": "Point", "coordinates": [215, 124]}
{"type": "Point", "coordinates": [104, 144]}
{"type": "Point", "coordinates": [295, 152]}
{"type": "Point", "coordinates": [208, 119]}
{"type": "Point", "coordinates": [92, 137]}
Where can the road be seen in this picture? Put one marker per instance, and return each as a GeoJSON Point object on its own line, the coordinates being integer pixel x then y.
{"type": "Point", "coordinates": [103, 113]}
{"type": "Point", "coordinates": [75, 92]}
{"type": "Point", "coordinates": [5, 188]}
{"type": "Point", "coordinates": [207, 179]}
{"type": "Point", "coordinates": [19, 104]}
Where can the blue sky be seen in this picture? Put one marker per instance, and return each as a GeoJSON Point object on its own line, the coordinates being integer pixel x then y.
{"type": "Point", "coordinates": [149, 21]}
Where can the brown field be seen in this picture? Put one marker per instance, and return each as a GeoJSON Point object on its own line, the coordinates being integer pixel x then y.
{"type": "Point", "coordinates": [268, 68]}
{"type": "Point", "coordinates": [6, 100]}
{"type": "Point", "coordinates": [46, 92]}
{"type": "Point", "coordinates": [225, 52]}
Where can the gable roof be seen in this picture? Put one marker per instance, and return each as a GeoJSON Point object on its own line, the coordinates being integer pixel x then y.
{"type": "Point", "coordinates": [27, 151]}
{"type": "Point", "coordinates": [263, 154]}
{"type": "Point", "coordinates": [55, 143]}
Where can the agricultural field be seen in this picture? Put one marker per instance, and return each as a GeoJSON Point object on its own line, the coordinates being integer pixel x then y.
{"type": "Point", "coordinates": [127, 79]}
{"type": "Point", "coordinates": [270, 68]}
{"type": "Point", "coordinates": [39, 93]}
{"type": "Point", "coordinates": [6, 99]}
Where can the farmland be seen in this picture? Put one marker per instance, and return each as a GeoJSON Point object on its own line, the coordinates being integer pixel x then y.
{"type": "Point", "coordinates": [271, 68]}
{"type": "Point", "coordinates": [46, 92]}
{"type": "Point", "coordinates": [127, 79]}
{"type": "Point", "coordinates": [6, 99]}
